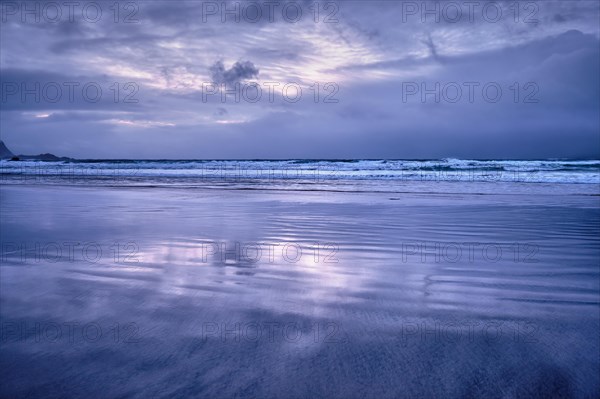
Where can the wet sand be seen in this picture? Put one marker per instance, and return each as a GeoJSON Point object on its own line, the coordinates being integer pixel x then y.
{"type": "Point", "coordinates": [167, 292]}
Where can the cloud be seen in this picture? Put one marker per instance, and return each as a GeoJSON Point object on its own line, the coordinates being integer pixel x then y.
{"type": "Point", "coordinates": [432, 48]}
{"type": "Point", "coordinates": [240, 71]}
{"type": "Point", "coordinates": [368, 53]}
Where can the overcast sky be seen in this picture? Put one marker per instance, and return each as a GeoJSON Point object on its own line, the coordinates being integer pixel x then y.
{"type": "Point", "coordinates": [499, 80]}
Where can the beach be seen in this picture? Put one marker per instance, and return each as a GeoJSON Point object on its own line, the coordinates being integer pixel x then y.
{"type": "Point", "coordinates": [300, 199]}
{"type": "Point", "coordinates": [416, 289]}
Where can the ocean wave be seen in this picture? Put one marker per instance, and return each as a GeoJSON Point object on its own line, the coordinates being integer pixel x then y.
{"type": "Point", "coordinates": [450, 169]}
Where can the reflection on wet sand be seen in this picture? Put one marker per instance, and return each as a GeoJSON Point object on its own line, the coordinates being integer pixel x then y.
{"type": "Point", "coordinates": [353, 295]}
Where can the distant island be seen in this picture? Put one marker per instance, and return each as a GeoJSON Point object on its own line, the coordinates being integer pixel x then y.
{"type": "Point", "coordinates": [5, 153]}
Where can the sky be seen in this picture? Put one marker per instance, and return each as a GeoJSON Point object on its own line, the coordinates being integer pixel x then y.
{"type": "Point", "coordinates": [301, 79]}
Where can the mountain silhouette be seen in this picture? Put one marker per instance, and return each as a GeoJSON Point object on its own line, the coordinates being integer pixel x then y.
{"type": "Point", "coordinates": [5, 153]}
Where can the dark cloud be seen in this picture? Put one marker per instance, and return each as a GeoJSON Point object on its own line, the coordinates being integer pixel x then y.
{"type": "Point", "coordinates": [432, 48]}
{"type": "Point", "coordinates": [240, 71]}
